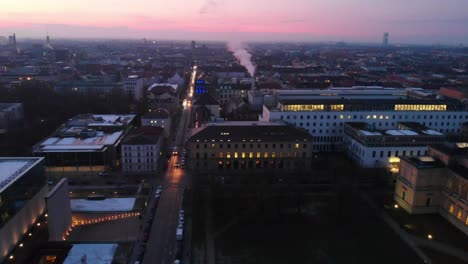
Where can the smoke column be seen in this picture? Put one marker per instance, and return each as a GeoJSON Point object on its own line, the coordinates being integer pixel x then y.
{"type": "Point", "coordinates": [243, 56]}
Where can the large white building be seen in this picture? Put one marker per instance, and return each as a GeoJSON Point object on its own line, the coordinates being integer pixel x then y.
{"type": "Point", "coordinates": [133, 85]}
{"type": "Point", "coordinates": [324, 116]}
{"type": "Point", "coordinates": [141, 150]}
{"type": "Point", "coordinates": [377, 148]}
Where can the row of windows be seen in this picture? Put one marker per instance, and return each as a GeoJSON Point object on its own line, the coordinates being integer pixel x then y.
{"type": "Point", "coordinates": [395, 153]}
{"type": "Point", "coordinates": [253, 164]}
{"type": "Point", "coordinates": [251, 155]}
{"type": "Point", "coordinates": [458, 213]}
{"type": "Point", "coordinates": [130, 160]}
{"type": "Point", "coordinates": [150, 147]}
{"type": "Point", "coordinates": [139, 167]}
{"type": "Point", "coordinates": [266, 145]}
{"type": "Point", "coordinates": [139, 154]}
{"type": "Point", "coordinates": [376, 117]}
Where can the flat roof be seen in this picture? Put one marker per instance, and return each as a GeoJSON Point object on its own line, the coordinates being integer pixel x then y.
{"type": "Point", "coordinates": [12, 168]}
{"type": "Point", "coordinates": [94, 143]}
{"type": "Point", "coordinates": [106, 205]}
{"type": "Point", "coordinates": [243, 130]}
{"type": "Point", "coordinates": [92, 253]}
{"type": "Point", "coordinates": [423, 162]}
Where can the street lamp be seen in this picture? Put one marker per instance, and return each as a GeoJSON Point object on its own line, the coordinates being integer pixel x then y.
{"type": "Point", "coordinates": [429, 236]}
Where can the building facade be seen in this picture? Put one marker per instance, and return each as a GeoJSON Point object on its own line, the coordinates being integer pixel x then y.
{"type": "Point", "coordinates": [436, 183]}
{"type": "Point", "coordinates": [375, 148]}
{"type": "Point", "coordinates": [133, 86]}
{"type": "Point", "coordinates": [158, 118]}
{"type": "Point", "coordinates": [232, 147]}
{"type": "Point", "coordinates": [22, 191]}
{"type": "Point", "coordinates": [325, 118]}
{"type": "Point", "coordinates": [141, 150]}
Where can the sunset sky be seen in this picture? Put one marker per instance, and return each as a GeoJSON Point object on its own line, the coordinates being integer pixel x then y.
{"type": "Point", "coordinates": [408, 21]}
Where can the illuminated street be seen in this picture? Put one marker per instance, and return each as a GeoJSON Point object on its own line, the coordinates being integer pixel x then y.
{"type": "Point", "coordinates": [161, 246]}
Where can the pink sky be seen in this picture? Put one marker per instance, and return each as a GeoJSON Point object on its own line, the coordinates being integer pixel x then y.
{"type": "Point", "coordinates": [422, 21]}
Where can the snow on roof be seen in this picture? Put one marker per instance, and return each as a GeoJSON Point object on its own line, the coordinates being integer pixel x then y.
{"type": "Point", "coordinates": [66, 141]}
{"type": "Point", "coordinates": [432, 132]}
{"type": "Point", "coordinates": [394, 133]}
{"type": "Point", "coordinates": [368, 133]}
{"type": "Point", "coordinates": [72, 147]}
{"type": "Point", "coordinates": [91, 253]}
{"type": "Point", "coordinates": [409, 132]}
{"type": "Point", "coordinates": [107, 205]}
{"type": "Point", "coordinates": [50, 141]}
{"type": "Point", "coordinates": [12, 169]}
{"type": "Point", "coordinates": [112, 138]}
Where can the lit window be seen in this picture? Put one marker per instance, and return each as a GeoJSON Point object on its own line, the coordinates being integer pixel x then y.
{"type": "Point", "coordinates": [221, 155]}
{"type": "Point", "coordinates": [459, 215]}
{"type": "Point", "coordinates": [236, 155]}
{"type": "Point", "coordinates": [243, 155]}
{"type": "Point", "coordinates": [297, 146]}
{"type": "Point", "coordinates": [250, 154]}
{"type": "Point", "coordinates": [259, 154]}
{"type": "Point", "coordinates": [452, 208]}
{"type": "Point", "coordinates": [228, 155]}
{"type": "Point", "coordinates": [265, 155]}
{"type": "Point", "coordinates": [273, 154]}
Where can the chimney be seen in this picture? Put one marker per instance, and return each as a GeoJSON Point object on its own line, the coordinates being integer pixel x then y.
{"type": "Point", "coordinates": [252, 87]}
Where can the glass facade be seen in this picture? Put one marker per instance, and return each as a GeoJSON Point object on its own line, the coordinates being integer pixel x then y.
{"type": "Point", "coordinates": [16, 196]}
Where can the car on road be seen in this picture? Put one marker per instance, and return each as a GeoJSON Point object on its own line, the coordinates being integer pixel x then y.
{"type": "Point", "coordinates": [177, 164]}
{"type": "Point", "coordinates": [103, 173]}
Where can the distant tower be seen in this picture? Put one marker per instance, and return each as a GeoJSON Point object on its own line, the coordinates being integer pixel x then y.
{"type": "Point", "coordinates": [47, 39]}
{"type": "Point", "coordinates": [385, 39]}
{"type": "Point", "coordinates": [194, 44]}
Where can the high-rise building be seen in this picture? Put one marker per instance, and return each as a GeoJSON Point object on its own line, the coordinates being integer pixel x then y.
{"type": "Point", "coordinates": [385, 39]}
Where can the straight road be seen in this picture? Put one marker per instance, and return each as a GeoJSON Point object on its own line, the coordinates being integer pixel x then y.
{"type": "Point", "coordinates": [161, 247]}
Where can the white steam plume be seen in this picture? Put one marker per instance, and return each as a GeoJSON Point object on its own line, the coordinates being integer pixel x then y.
{"type": "Point", "coordinates": [243, 56]}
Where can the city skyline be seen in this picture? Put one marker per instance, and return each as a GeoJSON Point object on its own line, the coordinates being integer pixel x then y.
{"type": "Point", "coordinates": [417, 22]}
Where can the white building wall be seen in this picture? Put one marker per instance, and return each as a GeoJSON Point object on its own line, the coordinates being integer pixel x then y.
{"type": "Point", "coordinates": [140, 158]}
{"type": "Point", "coordinates": [164, 123]}
{"type": "Point", "coordinates": [379, 157]}
{"type": "Point", "coordinates": [327, 128]}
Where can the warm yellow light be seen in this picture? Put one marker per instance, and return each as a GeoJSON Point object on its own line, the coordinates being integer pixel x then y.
{"type": "Point", "coordinates": [21, 245]}
{"type": "Point", "coordinates": [30, 234]}
{"type": "Point", "coordinates": [11, 256]}
{"type": "Point", "coordinates": [38, 224]}
{"type": "Point", "coordinates": [396, 206]}
{"type": "Point", "coordinates": [429, 236]}
{"type": "Point", "coordinates": [46, 215]}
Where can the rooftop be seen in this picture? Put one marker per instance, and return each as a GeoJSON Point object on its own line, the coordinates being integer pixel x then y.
{"type": "Point", "coordinates": [87, 133]}
{"type": "Point", "coordinates": [12, 168]}
{"type": "Point", "coordinates": [423, 162]}
{"type": "Point", "coordinates": [244, 130]}
{"type": "Point", "coordinates": [452, 149]}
